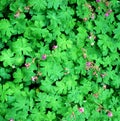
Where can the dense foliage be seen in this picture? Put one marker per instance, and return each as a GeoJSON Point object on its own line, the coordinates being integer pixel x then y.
{"type": "Point", "coordinates": [59, 60]}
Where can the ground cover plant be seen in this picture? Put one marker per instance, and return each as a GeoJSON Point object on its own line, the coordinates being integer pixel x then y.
{"type": "Point", "coordinates": [59, 60]}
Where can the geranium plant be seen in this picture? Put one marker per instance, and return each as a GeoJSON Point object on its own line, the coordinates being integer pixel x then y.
{"type": "Point", "coordinates": [59, 60]}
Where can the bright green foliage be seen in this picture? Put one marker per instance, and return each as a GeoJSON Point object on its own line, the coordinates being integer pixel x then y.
{"type": "Point", "coordinates": [59, 60]}
{"type": "Point", "coordinates": [117, 31]}
{"type": "Point", "coordinates": [55, 3]}
{"type": "Point", "coordinates": [38, 4]}
{"type": "Point", "coordinates": [6, 30]}
{"type": "Point", "coordinates": [7, 57]}
{"type": "Point", "coordinates": [18, 76]}
{"type": "Point", "coordinates": [4, 73]}
{"type": "Point", "coordinates": [21, 46]}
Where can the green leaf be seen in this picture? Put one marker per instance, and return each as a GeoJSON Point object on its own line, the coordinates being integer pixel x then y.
{"type": "Point", "coordinates": [73, 52]}
{"type": "Point", "coordinates": [6, 29]}
{"type": "Point", "coordinates": [57, 72]}
{"type": "Point", "coordinates": [18, 60]}
{"type": "Point", "coordinates": [17, 4]}
{"type": "Point", "coordinates": [38, 4]}
{"type": "Point", "coordinates": [11, 114]}
{"type": "Point", "coordinates": [19, 25]}
{"type": "Point", "coordinates": [105, 43]}
{"type": "Point", "coordinates": [37, 115]}
{"type": "Point", "coordinates": [21, 102]}
{"type": "Point", "coordinates": [118, 16]}
{"type": "Point", "coordinates": [18, 76]}
{"type": "Point", "coordinates": [22, 115]}
{"type": "Point", "coordinates": [46, 86]}
{"type": "Point", "coordinates": [64, 43]}
{"type": "Point", "coordinates": [53, 70]}
{"type": "Point", "coordinates": [2, 119]}
{"type": "Point", "coordinates": [104, 27]}
{"type": "Point", "coordinates": [70, 82]}
{"type": "Point", "coordinates": [28, 74]}
{"type": "Point", "coordinates": [1, 45]}
{"type": "Point", "coordinates": [117, 31]}
{"type": "Point", "coordinates": [7, 57]}
{"type": "Point", "coordinates": [89, 25]}
{"type": "Point", "coordinates": [3, 107]}
{"type": "Point", "coordinates": [50, 116]}
{"type": "Point", "coordinates": [4, 73]}
{"type": "Point", "coordinates": [54, 3]}
{"type": "Point", "coordinates": [80, 68]}
{"type": "Point", "coordinates": [21, 46]}
{"type": "Point", "coordinates": [65, 14]}
{"type": "Point", "coordinates": [4, 90]}
{"type": "Point", "coordinates": [82, 10]}
{"type": "Point", "coordinates": [61, 87]}
{"type": "Point", "coordinates": [56, 103]}
{"type": "Point", "coordinates": [105, 96]}
{"type": "Point", "coordinates": [82, 33]}
{"type": "Point", "coordinates": [86, 86]}
{"type": "Point", "coordinates": [75, 96]}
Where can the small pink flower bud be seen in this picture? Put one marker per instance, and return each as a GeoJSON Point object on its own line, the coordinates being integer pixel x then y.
{"type": "Point", "coordinates": [107, 14]}
{"type": "Point", "coordinates": [81, 109]}
{"type": "Point", "coordinates": [109, 11]}
{"type": "Point", "coordinates": [97, 0]}
{"type": "Point", "coordinates": [95, 95]}
{"type": "Point", "coordinates": [89, 64]}
{"type": "Point", "coordinates": [85, 19]}
{"type": "Point", "coordinates": [34, 78]}
{"type": "Point", "coordinates": [11, 120]}
{"type": "Point", "coordinates": [17, 15]}
{"type": "Point", "coordinates": [44, 56]}
{"type": "Point", "coordinates": [93, 16]}
{"type": "Point", "coordinates": [110, 114]}
{"type": "Point", "coordinates": [27, 65]}
{"type": "Point", "coordinates": [54, 46]}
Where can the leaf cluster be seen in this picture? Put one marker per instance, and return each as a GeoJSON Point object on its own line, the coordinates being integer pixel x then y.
{"type": "Point", "coordinates": [57, 56]}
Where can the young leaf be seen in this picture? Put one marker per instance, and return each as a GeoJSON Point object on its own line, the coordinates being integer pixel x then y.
{"type": "Point", "coordinates": [4, 73]}
{"type": "Point", "coordinates": [117, 31]}
{"type": "Point", "coordinates": [21, 46]}
{"type": "Point", "coordinates": [38, 115]}
{"type": "Point", "coordinates": [21, 102]}
{"type": "Point", "coordinates": [54, 3]}
{"type": "Point", "coordinates": [6, 29]}
{"type": "Point", "coordinates": [7, 57]}
{"type": "Point", "coordinates": [18, 76]}
{"type": "Point", "coordinates": [38, 4]}
{"type": "Point", "coordinates": [61, 87]}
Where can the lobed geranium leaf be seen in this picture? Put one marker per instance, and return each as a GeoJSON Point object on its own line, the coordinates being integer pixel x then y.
{"type": "Point", "coordinates": [38, 4]}
{"type": "Point", "coordinates": [4, 73]}
{"type": "Point", "coordinates": [21, 46]}
{"type": "Point", "coordinates": [7, 57]}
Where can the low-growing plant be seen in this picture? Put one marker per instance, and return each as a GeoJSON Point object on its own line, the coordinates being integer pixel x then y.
{"type": "Point", "coordinates": [59, 60]}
